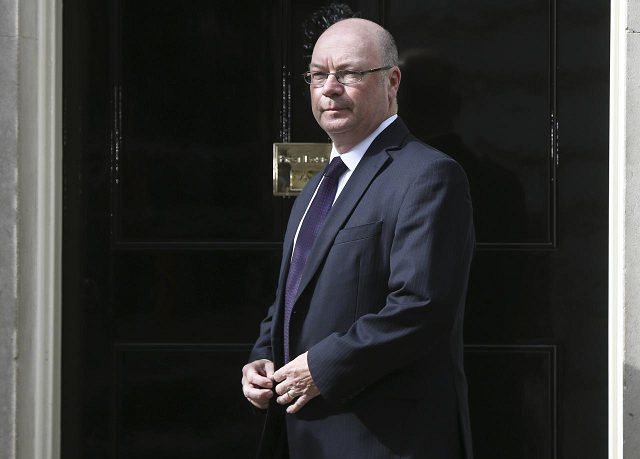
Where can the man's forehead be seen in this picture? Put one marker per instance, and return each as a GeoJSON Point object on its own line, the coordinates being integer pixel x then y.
{"type": "Point", "coordinates": [346, 37]}
{"type": "Point", "coordinates": [335, 52]}
{"type": "Point", "coordinates": [338, 64]}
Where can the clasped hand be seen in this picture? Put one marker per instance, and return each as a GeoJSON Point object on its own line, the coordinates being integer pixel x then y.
{"type": "Point", "coordinates": [294, 384]}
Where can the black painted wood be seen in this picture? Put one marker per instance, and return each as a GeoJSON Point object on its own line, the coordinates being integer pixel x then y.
{"type": "Point", "coordinates": [190, 116]}
{"type": "Point", "coordinates": [484, 94]}
{"type": "Point", "coordinates": [173, 401]}
{"type": "Point", "coordinates": [512, 393]}
{"type": "Point", "coordinates": [172, 238]}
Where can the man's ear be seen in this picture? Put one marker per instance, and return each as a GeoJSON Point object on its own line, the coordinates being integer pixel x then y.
{"type": "Point", "coordinates": [394, 81]}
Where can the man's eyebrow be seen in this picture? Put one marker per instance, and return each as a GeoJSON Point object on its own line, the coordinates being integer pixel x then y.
{"type": "Point", "coordinates": [342, 66]}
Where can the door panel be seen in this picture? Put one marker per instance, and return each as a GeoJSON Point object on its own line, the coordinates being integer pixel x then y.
{"type": "Point", "coordinates": [172, 238]}
{"type": "Point", "coordinates": [191, 116]}
{"type": "Point", "coordinates": [185, 295]}
{"type": "Point", "coordinates": [171, 403]}
{"type": "Point", "coordinates": [522, 378]}
{"type": "Point", "coordinates": [478, 83]}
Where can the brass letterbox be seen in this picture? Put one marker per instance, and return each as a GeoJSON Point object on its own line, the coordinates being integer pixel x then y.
{"type": "Point", "coordinates": [295, 163]}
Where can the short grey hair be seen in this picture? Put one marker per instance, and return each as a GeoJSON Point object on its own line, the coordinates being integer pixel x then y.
{"type": "Point", "coordinates": [388, 49]}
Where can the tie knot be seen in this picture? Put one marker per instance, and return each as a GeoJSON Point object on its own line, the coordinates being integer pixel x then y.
{"type": "Point", "coordinates": [336, 168]}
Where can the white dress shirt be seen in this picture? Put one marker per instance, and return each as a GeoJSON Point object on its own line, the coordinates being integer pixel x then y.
{"type": "Point", "coordinates": [351, 159]}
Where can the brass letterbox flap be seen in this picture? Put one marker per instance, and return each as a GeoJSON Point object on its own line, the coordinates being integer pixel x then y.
{"type": "Point", "coordinates": [295, 163]}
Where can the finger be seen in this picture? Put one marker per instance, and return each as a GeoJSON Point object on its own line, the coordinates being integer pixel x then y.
{"type": "Point", "coordinates": [259, 380]}
{"type": "Point", "coordinates": [257, 394]}
{"type": "Point", "coordinates": [268, 366]}
{"type": "Point", "coordinates": [299, 403]}
{"type": "Point", "coordinates": [281, 374]}
{"type": "Point", "coordinates": [283, 387]}
{"type": "Point", "coordinates": [245, 381]}
{"type": "Point", "coordinates": [285, 399]}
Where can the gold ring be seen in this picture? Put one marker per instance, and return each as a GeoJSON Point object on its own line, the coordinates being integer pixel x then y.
{"type": "Point", "coordinates": [289, 395]}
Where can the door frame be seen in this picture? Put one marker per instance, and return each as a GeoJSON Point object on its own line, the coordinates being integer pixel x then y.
{"type": "Point", "coordinates": [38, 329]}
{"type": "Point", "coordinates": [617, 230]}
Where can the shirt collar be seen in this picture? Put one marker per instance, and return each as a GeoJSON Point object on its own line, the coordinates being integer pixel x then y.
{"type": "Point", "coordinates": [352, 157]}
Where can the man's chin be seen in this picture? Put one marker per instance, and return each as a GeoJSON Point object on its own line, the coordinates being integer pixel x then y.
{"type": "Point", "coordinates": [335, 125]}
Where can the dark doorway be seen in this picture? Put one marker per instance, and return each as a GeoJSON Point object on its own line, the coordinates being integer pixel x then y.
{"type": "Point", "coordinates": [172, 237]}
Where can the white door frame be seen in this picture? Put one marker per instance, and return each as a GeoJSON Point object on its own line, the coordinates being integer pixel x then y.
{"type": "Point", "coordinates": [617, 183]}
{"type": "Point", "coordinates": [40, 229]}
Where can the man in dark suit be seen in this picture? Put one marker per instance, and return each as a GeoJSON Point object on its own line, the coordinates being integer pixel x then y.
{"type": "Point", "coordinates": [363, 344]}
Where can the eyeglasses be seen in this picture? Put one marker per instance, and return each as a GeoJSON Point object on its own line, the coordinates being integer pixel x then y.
{"type": "Point", "coordinates": [343, 76]}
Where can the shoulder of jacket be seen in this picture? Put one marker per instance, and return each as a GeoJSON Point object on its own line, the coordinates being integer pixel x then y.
{"type": "Point", "coordinates": [417, 153]}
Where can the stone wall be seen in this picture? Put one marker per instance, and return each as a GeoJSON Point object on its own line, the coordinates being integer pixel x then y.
{"type": "Point", "coordinates": [9, 106]}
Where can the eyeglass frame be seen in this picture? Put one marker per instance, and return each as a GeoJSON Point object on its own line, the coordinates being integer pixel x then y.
{"type": "Point", "coordinates": [362, 73]}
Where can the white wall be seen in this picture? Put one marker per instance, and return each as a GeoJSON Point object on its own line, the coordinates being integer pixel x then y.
{"type": "Point", "coordinates": [631, 393]}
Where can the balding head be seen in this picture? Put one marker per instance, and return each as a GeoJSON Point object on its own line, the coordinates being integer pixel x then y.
{"type": "Point", "coordinates": [348, 113]}
{"type": "Point", "coordinates": [387, 49]}
{"type": "Point", "coordinates": [372, 33]}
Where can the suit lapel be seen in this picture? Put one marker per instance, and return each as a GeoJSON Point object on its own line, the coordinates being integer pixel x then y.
{"type": "Point", "coordinates": [373, 160]}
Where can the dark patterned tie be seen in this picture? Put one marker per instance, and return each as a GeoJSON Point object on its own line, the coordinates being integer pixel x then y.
{"type": "Point", "coordinates": [310, 228]}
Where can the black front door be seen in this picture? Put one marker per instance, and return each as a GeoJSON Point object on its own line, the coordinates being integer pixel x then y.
{"type": "Point", "coordinates": [172, 235]}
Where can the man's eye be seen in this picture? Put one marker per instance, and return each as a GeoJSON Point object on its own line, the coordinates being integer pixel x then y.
{"type": "Point", "coordinates": [349, 76]}
{"type": "Point", "coordinates": [318, 75]}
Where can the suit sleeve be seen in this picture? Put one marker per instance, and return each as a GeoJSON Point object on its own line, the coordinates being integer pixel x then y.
{"type": "Point", "coordinates": [429, 264]}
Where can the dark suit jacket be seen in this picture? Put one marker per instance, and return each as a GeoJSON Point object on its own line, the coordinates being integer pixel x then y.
{"type": "Point", "coordinates": [380, 309]}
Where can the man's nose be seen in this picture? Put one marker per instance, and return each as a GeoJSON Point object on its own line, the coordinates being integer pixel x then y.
{"type": "Point", "coordinates": [332, 86]}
